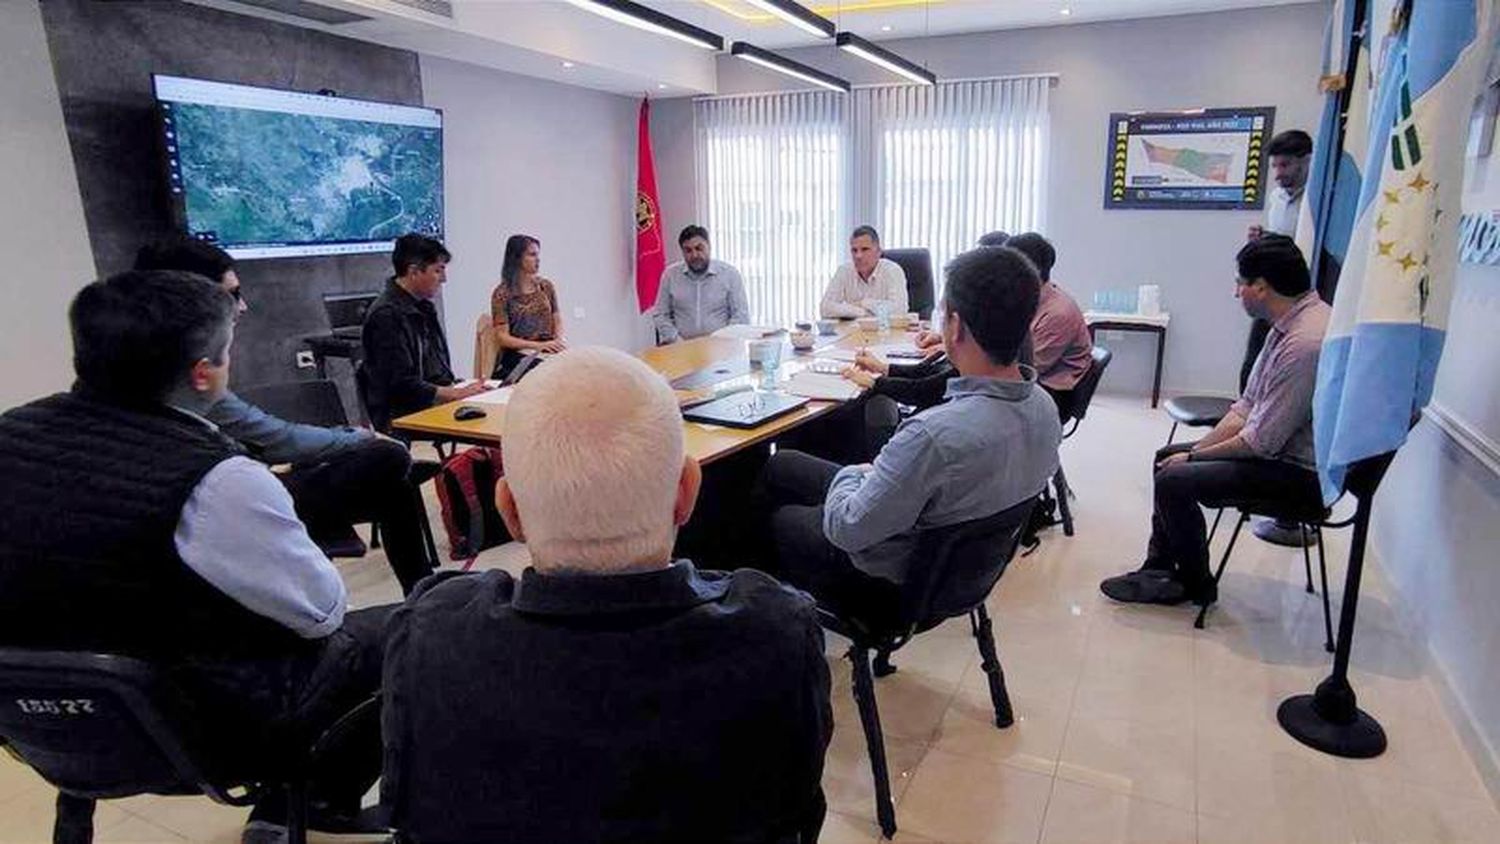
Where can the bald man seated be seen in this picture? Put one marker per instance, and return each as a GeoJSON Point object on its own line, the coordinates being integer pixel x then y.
{"type": "Point", "coordinates": [609, 693]}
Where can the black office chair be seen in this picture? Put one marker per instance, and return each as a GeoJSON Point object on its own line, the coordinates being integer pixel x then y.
{"type": "Point", "coordinates": [99, 727]}
{"type": "Point", "coordinates": [1311, 520]}
{"type": "Point", "coordinates": [1195, 412]}
{"type": "Point", "coordinates": [318, 403]}
{"type": "Point", "coordinates": [955, 569]}
{"type": "Point", "coordinates": [1082, 395]}
{"type": "Point", "coordinates": [917, 264]}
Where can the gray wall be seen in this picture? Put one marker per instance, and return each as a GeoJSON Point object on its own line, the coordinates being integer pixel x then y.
{"type": "Point", "coordinates": [104, 55]}
{"type": "Point", "coordinates": [41, 219]}
{"type": "Point", "coordinates": [1436, 529]}
{"type": "Point", "coordinates": [555, 162]}
{"type": "Point", "coordinates": [1266, 56]}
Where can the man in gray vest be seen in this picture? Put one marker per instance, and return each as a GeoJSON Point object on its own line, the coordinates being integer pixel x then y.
{"type": "Point", "coordinates": [130, 524]}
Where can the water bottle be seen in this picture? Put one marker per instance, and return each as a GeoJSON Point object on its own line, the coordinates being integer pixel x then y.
{"type": "Point", "coordinates": [882, 315]}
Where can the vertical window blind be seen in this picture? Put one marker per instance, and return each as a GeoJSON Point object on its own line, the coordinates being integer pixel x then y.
{"type": "Point", "coordinates": [770, 180]}
{"type": "Point", "coordinates": [782, 178]}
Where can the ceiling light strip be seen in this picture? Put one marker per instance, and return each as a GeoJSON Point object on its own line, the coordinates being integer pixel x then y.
{"type": "Point", "coordinates": [853, 44]}
{"type": "Point", "coordinates": [797, 15]}
{"type": "Point", "coordinates": [650, 20]}
{"type": "Point", "coordinates": [781, 64]}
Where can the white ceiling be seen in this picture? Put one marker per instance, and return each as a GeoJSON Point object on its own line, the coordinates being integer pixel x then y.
{"type": "Point", "coordinates": [738, 20]}
{"type": "Point", "coordinates": [552, 39]}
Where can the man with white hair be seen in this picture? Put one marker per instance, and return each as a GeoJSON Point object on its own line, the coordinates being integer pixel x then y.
{"type": "Point", "coordinates": [609, 693]}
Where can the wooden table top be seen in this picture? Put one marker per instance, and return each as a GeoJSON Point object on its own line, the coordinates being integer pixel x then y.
{"type": "Point", "coordinates": [705, 442]}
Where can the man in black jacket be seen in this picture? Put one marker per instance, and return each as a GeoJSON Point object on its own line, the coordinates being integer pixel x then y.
{"type": "Point", "coordinates": [406, 363]}
{"type": "Point", "coordinates": [130, 524]}
{"type": "Point", "coordinates": [609, 693]}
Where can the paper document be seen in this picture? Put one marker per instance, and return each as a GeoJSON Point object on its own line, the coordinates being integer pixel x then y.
{"type": "Point", "coordinates": [500, 396]}
{"type": "Point", "coordinates": [816, 385]}
{"type": "Point", "coordinates": [745, 332]}
{"type": "Point", "coordinates": [899, 352]}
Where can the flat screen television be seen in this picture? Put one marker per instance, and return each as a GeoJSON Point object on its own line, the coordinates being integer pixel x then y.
{"type": "Point", "coordinates": [266, 173]}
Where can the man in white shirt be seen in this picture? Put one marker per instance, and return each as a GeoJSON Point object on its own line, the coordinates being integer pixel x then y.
{"type": "Point", "coordinates": [1291, 156]}
{"type": "Point", "coordinates": [867, 279]}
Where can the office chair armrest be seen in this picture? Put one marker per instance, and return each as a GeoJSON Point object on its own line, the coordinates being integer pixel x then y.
{"type": "Point", "coordinates": [347, 723]}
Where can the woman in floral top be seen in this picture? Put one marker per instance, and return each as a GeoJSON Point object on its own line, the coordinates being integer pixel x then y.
{"type": "Point", "coordinates": [524, 306]}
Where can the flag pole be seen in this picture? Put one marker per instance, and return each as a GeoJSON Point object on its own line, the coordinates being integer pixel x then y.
{"type": "Point", "coordinates": [1330, 719]}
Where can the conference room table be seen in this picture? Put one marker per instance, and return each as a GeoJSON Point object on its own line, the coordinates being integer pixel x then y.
{"type": "Point", "coordinates": [707, 443]}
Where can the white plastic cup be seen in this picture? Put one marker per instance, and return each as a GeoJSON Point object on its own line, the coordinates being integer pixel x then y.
{"type": "Point", "coordinates": [1149, 299]}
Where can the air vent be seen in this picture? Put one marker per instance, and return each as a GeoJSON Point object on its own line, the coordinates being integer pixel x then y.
{"type": "Point", "coordinates": [306, 10]}
{"type": "Point", "coordinates": [441, 8]}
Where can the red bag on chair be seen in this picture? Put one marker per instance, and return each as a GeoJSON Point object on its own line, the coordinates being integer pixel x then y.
{"type": "Point", "coordinates": [466, 491]}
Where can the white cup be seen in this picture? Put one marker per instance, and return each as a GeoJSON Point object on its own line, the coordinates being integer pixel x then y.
{"type": "Point", "coordinates": [1148, 300]}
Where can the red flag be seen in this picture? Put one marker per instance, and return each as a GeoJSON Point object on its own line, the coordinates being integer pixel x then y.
{"type": "Point", "coordinates": [650, 252]}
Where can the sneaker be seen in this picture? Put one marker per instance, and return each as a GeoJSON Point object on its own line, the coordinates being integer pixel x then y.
{"type": "Point", "coordinates": [1288, 534]}
{"type": "Point", "coordinates": [1145, 587]}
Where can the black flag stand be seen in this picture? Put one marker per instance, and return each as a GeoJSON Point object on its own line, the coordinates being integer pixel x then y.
{"type": "Point", "coordinates": [1330, 719]}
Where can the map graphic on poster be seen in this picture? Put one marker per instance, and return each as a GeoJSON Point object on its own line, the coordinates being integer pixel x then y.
{"type": "Point", "coordinates": [1207, 158]}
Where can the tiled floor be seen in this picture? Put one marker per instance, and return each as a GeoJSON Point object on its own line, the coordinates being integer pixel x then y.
{"type": "Point", "coordinates": [1131, 726]}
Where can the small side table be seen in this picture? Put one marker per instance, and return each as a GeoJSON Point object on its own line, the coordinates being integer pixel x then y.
{"type": "Point", "coordinates": [1157, 324]}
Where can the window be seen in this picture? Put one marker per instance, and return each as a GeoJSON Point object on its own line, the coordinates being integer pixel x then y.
{"type": "Point", "coordinates": [784, 177]}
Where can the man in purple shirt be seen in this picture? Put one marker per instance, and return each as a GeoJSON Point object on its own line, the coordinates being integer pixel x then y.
{"type": "Point", "coordinates": [1061, 346]}
{"type": "Point", "coordinates": [1263, 448]}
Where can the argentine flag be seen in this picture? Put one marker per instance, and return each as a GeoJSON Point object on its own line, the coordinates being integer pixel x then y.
{"type": "Point", "coordinates": [1327, 217]}
{"type": "Point", "coordinates": [1390, 313]}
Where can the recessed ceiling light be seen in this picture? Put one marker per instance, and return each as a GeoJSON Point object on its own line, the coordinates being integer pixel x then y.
{"type": "Point", "coordinates": [1065, 11]}
{"type": "Point", "coordinates": [661, 86]}
{"type": "Point", "coordinates": [567, 64]}
{"type": "Point", "coordinates": [886, 28]}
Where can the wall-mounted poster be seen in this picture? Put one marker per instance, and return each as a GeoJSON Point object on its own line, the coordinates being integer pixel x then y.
{"type": "Point", "coordinates": [1204, 158]}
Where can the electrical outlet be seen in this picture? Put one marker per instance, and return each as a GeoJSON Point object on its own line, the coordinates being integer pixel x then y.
{"type": "Point", "coordinates": [305, 359]}
{"type": "Point", "coordinates": [578, 312]}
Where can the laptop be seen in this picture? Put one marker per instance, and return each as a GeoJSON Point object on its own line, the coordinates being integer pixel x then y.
{"type": "Point", "coordinates": [346, 311]}
{"type": "Point", "coordinates": [744, 410]}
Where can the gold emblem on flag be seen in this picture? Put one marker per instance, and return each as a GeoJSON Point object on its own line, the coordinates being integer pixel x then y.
{"type": "Point", "coordinates": [645, 212]}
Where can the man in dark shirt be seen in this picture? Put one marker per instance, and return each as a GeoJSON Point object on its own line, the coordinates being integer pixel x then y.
{"type": "Point", "coordinates": [406, 352]}
{"type": "Point", "coordinates": [608, 694]}
{"type": "Point", "coordinates": [339, 476]}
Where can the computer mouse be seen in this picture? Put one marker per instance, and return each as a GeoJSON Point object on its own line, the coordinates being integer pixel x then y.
{"type": "Point", "coordinates": [469, 411]}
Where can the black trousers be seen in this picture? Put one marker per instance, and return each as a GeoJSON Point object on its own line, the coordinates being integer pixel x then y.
{"type": "Point", "coordinates": [261, 713]}
{"type": "Point", "coordinates": [853, 432]}
{"type": "Point", "coordinates": [367, 483]}
{"type": "Point", "coordinates": [792, 490]}
{"type": "Point", "coordinates": [1179, 536]}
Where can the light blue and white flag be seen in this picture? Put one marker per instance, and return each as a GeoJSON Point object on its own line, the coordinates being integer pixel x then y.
{"type": "Point", "coordinates": [1390, 313]}
{"type": "Point", "coordinates": [1327, 217]}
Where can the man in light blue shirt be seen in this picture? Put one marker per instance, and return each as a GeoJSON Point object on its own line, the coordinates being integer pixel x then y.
{"type": "Point", "coordinates": [698, 295]}
{"type": "Point", "coordinates": [339, 476]}
{"type": "Point", "coordinates": [847, 535]}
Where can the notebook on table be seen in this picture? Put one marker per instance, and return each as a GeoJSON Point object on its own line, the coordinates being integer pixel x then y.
{"type": "Point", "coordinates": [744, 410]}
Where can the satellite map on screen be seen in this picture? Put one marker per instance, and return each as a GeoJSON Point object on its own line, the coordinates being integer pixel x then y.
{"type": "Point", "coordinates": [252, 176]}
